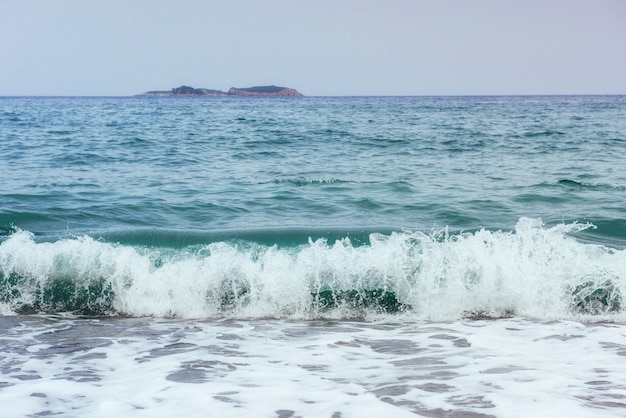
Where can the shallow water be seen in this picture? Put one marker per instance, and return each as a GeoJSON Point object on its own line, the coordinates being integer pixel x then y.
{"type": "Point", "coordinates": [149, 367]}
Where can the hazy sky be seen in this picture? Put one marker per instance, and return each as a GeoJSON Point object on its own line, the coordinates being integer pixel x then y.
{"type": "Point", "coordinates": [320, 47]}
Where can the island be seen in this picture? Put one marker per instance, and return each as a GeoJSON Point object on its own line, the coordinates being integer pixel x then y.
{"type": "Point", "coordinates": [263, 91]}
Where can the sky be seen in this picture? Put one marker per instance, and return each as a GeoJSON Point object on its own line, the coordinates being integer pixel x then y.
{"type": "Point", "coordinates": [321, 47]}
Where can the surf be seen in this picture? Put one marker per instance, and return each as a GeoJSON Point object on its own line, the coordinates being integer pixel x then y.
{"type": "Point", "coordinates": [531, 271]}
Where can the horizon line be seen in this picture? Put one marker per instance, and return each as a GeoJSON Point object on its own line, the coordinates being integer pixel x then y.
{"type": "Point", "coordinates": [320, 95]}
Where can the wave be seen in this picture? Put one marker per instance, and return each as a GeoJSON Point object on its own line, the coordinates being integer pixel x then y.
{"type": "Point", "coordinates": [592, 185]}
{"type": "Point", "coordinates": [533, 271]}
{"type": "Point", "coordinates": [548, 132]}
{"type": "Point", "coordinates": [304, 181]}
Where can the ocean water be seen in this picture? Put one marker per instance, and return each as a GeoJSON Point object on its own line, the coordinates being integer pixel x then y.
{"type": "Point", "coordinates": [317, 256]}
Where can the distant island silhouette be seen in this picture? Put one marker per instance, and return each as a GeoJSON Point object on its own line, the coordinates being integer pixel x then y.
{"type": "Point", "coordinates": [264, 91]}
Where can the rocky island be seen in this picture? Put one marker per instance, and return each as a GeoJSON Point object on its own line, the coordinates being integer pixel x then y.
{"type": "Point", "coordinates": [263, 91]}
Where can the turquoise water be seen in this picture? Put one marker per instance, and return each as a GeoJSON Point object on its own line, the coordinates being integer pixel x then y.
{"type": "Point", "coordinates": [435, 207]}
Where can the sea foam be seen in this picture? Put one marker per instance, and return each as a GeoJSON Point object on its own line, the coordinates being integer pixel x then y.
{"type": "Point", "coordinates": [534, 271]}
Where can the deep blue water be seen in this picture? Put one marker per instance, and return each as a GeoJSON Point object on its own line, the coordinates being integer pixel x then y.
{"type": "Point", "coordinates": [237, 197]}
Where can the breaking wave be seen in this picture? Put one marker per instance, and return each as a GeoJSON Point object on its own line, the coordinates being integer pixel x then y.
{"type": "Point", "coordinates": [532, 271]}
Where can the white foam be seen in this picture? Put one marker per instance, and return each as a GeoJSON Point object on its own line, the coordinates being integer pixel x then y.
{"type": "Point", "coordinates": [534, 272]}
{"type": "Point", "coordinates": [141, 368]}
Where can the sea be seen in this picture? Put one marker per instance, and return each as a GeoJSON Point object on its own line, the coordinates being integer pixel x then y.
{"type": "Point", "coordinates": [313, 257]}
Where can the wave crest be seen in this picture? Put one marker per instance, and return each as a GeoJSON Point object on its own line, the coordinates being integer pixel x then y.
{"type": "Point", "coordinates": [533, 271]}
